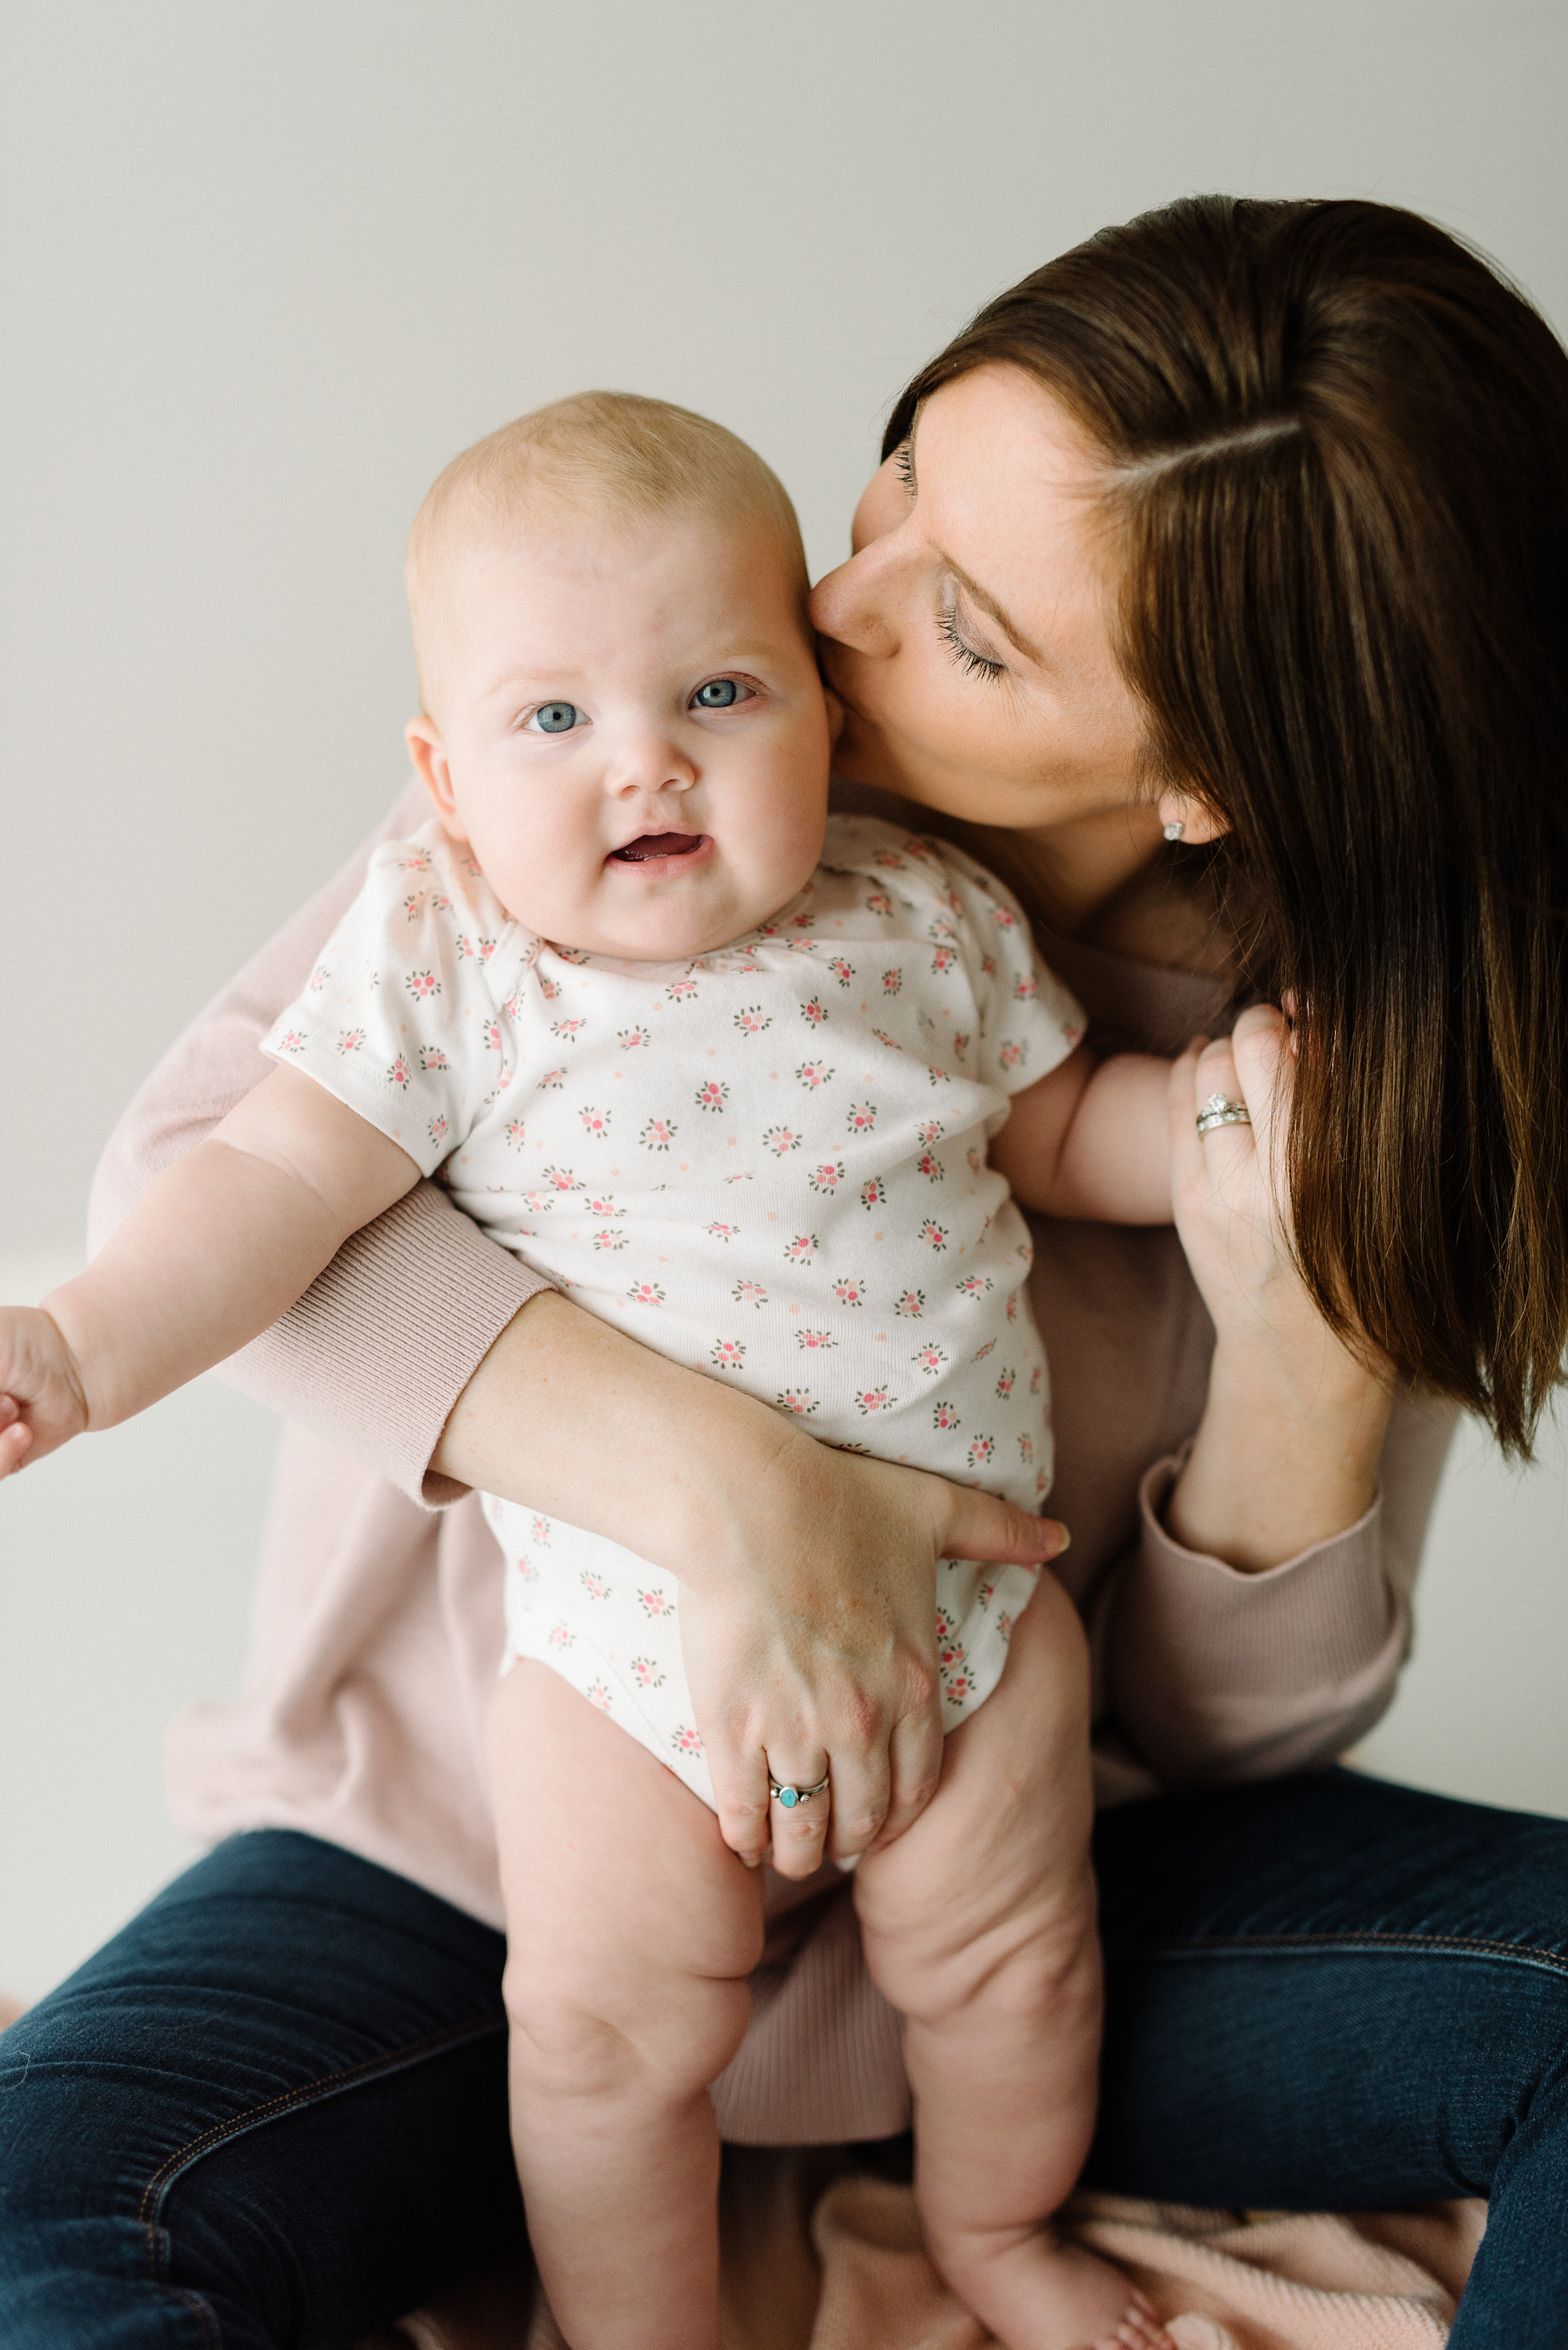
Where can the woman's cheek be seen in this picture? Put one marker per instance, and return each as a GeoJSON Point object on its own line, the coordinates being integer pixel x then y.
{"type": "Point", "coordinates": [940, 727]}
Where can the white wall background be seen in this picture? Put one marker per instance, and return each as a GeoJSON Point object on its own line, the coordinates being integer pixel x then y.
{"type": "Point", "coordinates": [263, 268]}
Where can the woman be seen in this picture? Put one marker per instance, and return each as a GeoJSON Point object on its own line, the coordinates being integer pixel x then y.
{"type": "Point", "coordinates": [1213, 589]}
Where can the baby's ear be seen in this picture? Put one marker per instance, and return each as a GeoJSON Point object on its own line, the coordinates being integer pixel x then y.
{"type": "Point", "coordinates": [428, 755]}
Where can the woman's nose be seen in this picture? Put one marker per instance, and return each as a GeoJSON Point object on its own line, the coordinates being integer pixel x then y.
{"type": "Point", "coordinates": [854, 605]}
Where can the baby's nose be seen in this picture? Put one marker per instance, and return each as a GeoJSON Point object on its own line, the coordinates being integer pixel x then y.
{"type": "Point", "coordinates": [653, 765]}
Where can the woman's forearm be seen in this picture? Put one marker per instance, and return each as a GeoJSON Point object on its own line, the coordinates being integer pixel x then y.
{"type": "Point", "coordinates": [1286, 1455]}
{"type": "Point", "coordinates": [1216, 1676]}
{"type": "Point", "coordinates": [569, 1416]}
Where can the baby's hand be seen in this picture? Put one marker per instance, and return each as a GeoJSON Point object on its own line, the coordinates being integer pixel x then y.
{"type": "Point", "coordinates": [42, 1405]}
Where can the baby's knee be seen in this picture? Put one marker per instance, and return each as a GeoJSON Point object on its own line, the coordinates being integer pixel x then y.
{"type": "Point", "coordinates": [622, 2033]}
{"type": "Point", "coordinates": [610, 1999]}
{"type": "Point", "coordinates": [1040, 1960]}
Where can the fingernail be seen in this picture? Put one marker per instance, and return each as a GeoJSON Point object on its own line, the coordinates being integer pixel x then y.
{"type": "Point", "coordinates": [751, 1859]}
{"type": "Point", "coordinates": [1064, 1535]}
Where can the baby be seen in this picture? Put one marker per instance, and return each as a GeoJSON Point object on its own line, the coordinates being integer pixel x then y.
{"type": "Point", "coordinates": [752, 1084]}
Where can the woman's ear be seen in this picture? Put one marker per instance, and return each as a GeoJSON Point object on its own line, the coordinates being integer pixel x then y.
{"type": "Point", "coordinates": [1189, 819]}
{"type": "Point", "coordinates": [428, 755]}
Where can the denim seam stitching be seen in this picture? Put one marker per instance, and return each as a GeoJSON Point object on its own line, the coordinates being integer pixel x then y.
{"type": "Point", "coordinates": [197, 2303]}
{"type": "Point", "coordinates": [1552, 1960]}
{"type": "Point", "coordinates": [176, 2161]}
{"type": "Point", "coordinates": [203, 2309]}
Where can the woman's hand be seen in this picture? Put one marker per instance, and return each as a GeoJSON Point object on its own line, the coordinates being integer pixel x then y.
{"type": "Point", "coordinates": [811, 1648]}
{"type": "Point", "coordinates": [807, 1576]}
{"type": "Point", "coordinates": [1288, 1451]}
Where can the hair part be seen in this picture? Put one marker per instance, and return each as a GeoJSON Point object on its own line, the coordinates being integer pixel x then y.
{"type": "Point", "coordinates": [1335, 459]}
{"type": "Point", "coordinates": [614, 457]}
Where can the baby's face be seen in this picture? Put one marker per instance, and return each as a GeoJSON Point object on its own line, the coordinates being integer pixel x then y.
{"type": "Point", "coordinates": [630, 731]}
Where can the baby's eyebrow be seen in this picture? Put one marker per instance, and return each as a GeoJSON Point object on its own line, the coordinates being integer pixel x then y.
{"type": "Point", "coordinates": [530, 679]}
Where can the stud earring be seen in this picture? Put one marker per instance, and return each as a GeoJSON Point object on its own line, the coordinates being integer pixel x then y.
{"type": "Point", "coordinates": [1174, 831]}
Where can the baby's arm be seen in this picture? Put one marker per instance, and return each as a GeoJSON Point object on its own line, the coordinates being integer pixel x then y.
{"type": "Point", "coordinates": [1091, 1140]}
{"type": "Point", "coordinates": [211, 1253]}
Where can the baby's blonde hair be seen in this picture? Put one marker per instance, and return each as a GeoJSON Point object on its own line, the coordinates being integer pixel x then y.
{"type": "Point", "coordinates": [613, 455]}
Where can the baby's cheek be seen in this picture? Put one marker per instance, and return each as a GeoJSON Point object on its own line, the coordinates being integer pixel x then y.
{"type": "Point", "coordinates": [544, 870]}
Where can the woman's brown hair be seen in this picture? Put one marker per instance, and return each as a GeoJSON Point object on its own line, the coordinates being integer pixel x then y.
{"type": "Point", "coordinates": [1336, 456]}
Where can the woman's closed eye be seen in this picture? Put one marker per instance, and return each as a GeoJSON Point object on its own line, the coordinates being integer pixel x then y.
{"type": "Point", "coordinates": [554, 718]}
{"type": "Point", "coordinates": [968, 656]}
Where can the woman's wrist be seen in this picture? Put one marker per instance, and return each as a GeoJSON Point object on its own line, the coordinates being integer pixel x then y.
{"type": "Point", "coordinates": [1286, 1456]}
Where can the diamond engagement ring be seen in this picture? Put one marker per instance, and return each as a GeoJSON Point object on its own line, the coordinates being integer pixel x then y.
{"type": "Point", "coordinates": [1219, 1111]}
{"type": "Point", "coordinates": [790, 1796]}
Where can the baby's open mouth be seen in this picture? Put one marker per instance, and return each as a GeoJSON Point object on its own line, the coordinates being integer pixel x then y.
{"type": "Point", "coordinates": [659, 844]}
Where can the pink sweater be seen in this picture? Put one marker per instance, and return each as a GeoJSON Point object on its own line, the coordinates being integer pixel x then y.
{"type": "Point", "coordinates": [378, 1626]}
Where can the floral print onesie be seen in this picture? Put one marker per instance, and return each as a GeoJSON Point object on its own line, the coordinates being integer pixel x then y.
{"type": "Point", "coordinates": [769, 1162]}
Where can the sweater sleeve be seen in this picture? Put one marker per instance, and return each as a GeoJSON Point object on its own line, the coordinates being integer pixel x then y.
{"type": "Point", "coordinates": [1216, 1676]}
{"type": "Point", "coordinates": [378, 1350]}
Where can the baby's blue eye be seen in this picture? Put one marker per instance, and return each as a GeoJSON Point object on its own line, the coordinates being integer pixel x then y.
{"type": "Point", "coordinates": [557, 717]}
{"type": "Point", "coordinates": [719, 693]}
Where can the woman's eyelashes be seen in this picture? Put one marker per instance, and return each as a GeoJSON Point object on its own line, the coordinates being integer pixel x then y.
{"type": "Point", "coordinates": [903, 465]}
{"type": "Point", "coordinates": [976, 664]}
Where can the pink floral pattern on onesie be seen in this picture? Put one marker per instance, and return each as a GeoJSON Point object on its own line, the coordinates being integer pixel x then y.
{"type": "Point", "coordinates": [648, 1137]}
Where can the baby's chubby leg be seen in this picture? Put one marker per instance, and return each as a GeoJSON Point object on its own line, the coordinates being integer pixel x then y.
{"type": "Point", "coordinates": [979, 1925]}
{"type": "Point", "coordinates": [632, 1928]}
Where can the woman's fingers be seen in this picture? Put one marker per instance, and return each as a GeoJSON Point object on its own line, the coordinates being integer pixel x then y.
{"type": "Point", "coordinates": [915, 1753]}
{"type": "Point", "coordinates": [1223, 1146]}
{"type": "Point", "coordinates": [981, 1526]}
{"type": "Point", "coordinates": [740, 1798]}
{"type": "Point", "coordinates": [1182, 1094]}
{"type": "Point", "coordinates": [861, 1783]}
{"type": "Point", "coordinates": [800, 1829]}
{"type": "Point", "coordinates": [1255, 1067]}
{"type": "Point", "coordinates": [1263, 1047]}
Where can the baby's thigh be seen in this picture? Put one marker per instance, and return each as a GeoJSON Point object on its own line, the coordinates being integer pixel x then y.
{"type": "Point", "coordinates": [619, 1889]}
{"type": "Point", "coordinates": [1005, 1839]}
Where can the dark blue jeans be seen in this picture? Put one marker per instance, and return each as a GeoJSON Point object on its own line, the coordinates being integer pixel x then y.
{"type": "Point", "coordinates": [272, 2111]}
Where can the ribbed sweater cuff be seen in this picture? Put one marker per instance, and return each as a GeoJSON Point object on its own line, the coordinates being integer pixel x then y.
{"type": "Point", "coordinates": [1316, 1619]}
{"type": "Point", "coordinates": [378, 1350]}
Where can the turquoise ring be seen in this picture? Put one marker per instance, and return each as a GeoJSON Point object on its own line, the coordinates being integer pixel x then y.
{"type": "Point", "coordinates": [787, 1797]}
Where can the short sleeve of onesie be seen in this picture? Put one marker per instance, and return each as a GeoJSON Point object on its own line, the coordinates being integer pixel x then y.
{"type": "Point", "coordinates": [1025, 1022]}
{"type": "Point", "coordinates": [399, 1018]}
{"type": "Point", "coordinates": [1029, 1022]}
